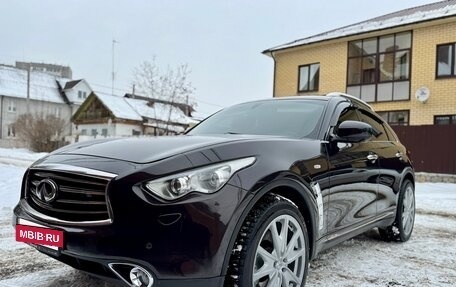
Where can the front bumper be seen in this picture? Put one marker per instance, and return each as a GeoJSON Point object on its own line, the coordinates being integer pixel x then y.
{"type": "Point", "coordinates": [180, 244]}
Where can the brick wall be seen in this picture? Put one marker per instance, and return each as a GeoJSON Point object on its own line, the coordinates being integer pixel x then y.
{"type": "Point", "coordinates": [332, 56]}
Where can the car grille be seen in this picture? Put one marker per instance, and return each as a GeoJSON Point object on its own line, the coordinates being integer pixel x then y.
{"type": "Point", "coordinates": [78, 198]}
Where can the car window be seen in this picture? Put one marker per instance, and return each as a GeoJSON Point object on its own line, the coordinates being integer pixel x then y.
{"type": "Point", "coordinates": [376, 123]}
{"type": "Point", "coordinates": [289, 118]}
{"type": "Point", "coordinates": [391, 134]}
{"type": "Point", "coordinates": [348, 114]}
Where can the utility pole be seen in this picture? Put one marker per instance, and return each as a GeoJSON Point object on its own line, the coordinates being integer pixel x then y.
{"type": "Point", "coordinates": [28, 88]}
{"type": "Point", "coordinates": [133, 93]}
{"type": "Point", "coordinates": [114, 42]}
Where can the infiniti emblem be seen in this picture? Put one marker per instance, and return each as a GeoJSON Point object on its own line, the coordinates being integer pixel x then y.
{"type": "Point", "coordinates": [46, 190]}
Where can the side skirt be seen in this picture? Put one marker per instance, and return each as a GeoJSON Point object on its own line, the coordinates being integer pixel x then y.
{"type": "Point", "coordinates": [335, 238]}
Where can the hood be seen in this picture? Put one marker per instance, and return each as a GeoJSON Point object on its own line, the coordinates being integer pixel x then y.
{"type": "Point", "coordinates": [144, 150]}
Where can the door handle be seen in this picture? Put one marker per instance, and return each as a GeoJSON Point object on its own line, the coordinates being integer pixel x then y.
{"type": "Point", "coordinates": [373, 157]}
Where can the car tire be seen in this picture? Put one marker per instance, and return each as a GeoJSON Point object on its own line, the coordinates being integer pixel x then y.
{"type": "Point", "coordinates": [265, 251]}
{"type": "Point", "coordinates": [402, 228]}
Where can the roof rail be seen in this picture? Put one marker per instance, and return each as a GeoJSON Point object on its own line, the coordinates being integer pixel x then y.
{"type": "Point", "coordinates": [332, 94]}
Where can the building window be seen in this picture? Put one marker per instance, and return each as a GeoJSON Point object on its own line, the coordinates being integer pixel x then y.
{"type": "Point", "coordinates": [309, 78]}
{"type": "Point", "coordinates": [378, 69]}
{"type": "Point", "coordinates": [104, 132]}
{"type": "Point", "coordinates": [82, 95]}
{"type": "Point", "coordinates": [445, 120]}
{"type": "Point", "coordinates": [12, 106]}
{"type": "Point", "coordinates": [11, 131]}
{"type": "Point", "coordinates": [83, 132]}
{"type": "Point", "coordinates": [94, 132]}
{"type": "Point", "coordinates": [58, 112]}
{"type": "Point", "coordinates": [446, 55]}
{"type": "Point", "coordinates": [396, 118]}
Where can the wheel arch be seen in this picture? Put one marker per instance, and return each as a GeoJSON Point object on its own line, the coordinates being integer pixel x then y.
{"type": "Point", "coordinates": [295, 191]}
{"type": "Point", "coordinates": [407, 174]}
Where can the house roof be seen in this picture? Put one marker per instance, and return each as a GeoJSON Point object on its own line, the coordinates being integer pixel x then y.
{"type": "Point", "coordinates": [183, 106]}
{"type": "Point", "coordinates": [119, 107]}
{"type": "Point", "coordinates": [413, 15]}
{"type": "Point", "coordinates": [71, 84]}
{"type": "Point", "coordinates": [43, 86]}
{"type": "Point", "coordinates": [159, 111]}
{"type": "Point", "coordinates": [139, 109]}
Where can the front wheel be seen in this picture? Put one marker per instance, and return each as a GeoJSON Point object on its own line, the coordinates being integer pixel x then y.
{"type": "Point", "coordinates": [402, 228]}
{"type": "Point", "coordinates": [272, 248]}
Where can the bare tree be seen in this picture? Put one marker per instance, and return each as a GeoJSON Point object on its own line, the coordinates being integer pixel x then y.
{"type": "Point", "coordinates": [41, 132]}
{"type": "Point", "coordinates": [173, 86]}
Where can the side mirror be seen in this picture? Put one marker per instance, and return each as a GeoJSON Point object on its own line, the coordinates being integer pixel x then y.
{"type": "Point", "coordinates": [353, 132]}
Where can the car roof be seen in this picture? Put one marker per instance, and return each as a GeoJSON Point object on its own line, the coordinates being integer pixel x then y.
{"type": "Point", "coordinates": [326, 97]}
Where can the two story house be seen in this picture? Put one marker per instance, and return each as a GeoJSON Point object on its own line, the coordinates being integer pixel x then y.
{"type": "Point", "coordinates": [402, 63]}
{"type": "Point", "coordinates": [37, 92]}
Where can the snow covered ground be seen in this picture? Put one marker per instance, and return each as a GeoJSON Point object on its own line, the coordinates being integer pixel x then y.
{"type": "Point", "coordinates": [428, 259]}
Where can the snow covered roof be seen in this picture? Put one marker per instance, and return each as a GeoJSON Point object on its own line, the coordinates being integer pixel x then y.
{"type": "Point", "coordinates": [119, 107]}
{"type": "Point", "coordinates": [159, 111]}
{"type": "Point", "coordinates": [413, 15]}
{"type": "Point", "coordinates": [137, 109]}
{"type": "Point", "coordinates": [43, 86]}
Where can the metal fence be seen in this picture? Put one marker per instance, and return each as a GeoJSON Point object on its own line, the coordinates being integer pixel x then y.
{"type": "Point", "coordinates": [432, 147]}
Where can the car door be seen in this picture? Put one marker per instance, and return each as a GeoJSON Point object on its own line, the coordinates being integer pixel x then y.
{"type": "Point", "coordinates": [392, 160]}
{"type": "Point", "coordinates": [353, 172]}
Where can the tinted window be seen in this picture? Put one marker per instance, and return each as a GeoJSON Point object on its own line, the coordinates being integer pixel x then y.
{"type": "Point", "coordinates": [348, 114]}
{"type": "Point", "coordinates": [376, 123]}
{"type": "Point", "coordinates": [288, 118]}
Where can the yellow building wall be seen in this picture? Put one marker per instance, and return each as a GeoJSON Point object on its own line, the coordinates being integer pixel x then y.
{"type": "Point", "coordinates": [333, 66]}
{"type": "Point", "coordinates": [333, 71]}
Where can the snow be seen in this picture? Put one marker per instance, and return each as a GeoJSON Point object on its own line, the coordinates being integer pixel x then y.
{"type": "Point", "coordinates": [43, 86]}
{"type": "Point", "coordinates": [19, 157]}
{"type": "Point", "coordinates": [379, 23]}
{"type": "Point", "coordinates": [159, 111]}
{"type": "Point", "coordinates": [119, 107]}
{"type": "Point", "coordinates": [427, 259]}
{"type": "Point", "coordinates": [137, 109]}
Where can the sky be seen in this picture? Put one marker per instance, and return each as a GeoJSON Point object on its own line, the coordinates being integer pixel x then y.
{"type": "Point", "coordinates": [220, 41]}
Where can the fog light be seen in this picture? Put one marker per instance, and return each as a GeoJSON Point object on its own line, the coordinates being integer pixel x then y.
{"type": "Point", "coordinates": [140, 278]}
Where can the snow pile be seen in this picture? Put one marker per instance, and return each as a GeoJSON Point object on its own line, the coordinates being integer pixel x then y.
{"type": "Point", "coordinates": [19, 157]}
{"type": "Point", "coordinates": [21, 153]}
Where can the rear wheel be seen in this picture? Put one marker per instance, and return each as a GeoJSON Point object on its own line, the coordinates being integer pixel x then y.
{"type": "Point", "coordinates": [272, 248]}
{"type": "Point", "coordinates": [402, 228]}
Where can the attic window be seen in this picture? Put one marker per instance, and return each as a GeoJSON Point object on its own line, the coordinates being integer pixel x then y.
{"type": "Point", "coordinates": [82, 95]}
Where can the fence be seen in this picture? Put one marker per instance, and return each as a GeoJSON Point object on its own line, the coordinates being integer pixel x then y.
{"type": "Point", "coordinates": [432, 147]}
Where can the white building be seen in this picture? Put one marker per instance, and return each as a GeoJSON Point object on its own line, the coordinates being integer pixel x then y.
{"type": "Point", "coordinates": [36, 93]}
{"type": "Point", "coordinates": [103, 115]}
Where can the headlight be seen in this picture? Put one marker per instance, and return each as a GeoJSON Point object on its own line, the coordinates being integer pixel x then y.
{"type": "Point", "coordinates": [208, 179]}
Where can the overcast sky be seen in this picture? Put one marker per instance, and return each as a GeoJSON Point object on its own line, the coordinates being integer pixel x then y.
{"type": "Point", "coordinates": [221, 41]}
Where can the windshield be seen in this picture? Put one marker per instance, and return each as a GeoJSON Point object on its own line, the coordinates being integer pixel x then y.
{"type": "Point", "coordinates": [288, 118]}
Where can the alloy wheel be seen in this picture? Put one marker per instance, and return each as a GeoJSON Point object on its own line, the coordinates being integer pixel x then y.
{"type": "Point", "coordinates": [280, 254]}
{"type": "Point", "coordinates": [408, 210]}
